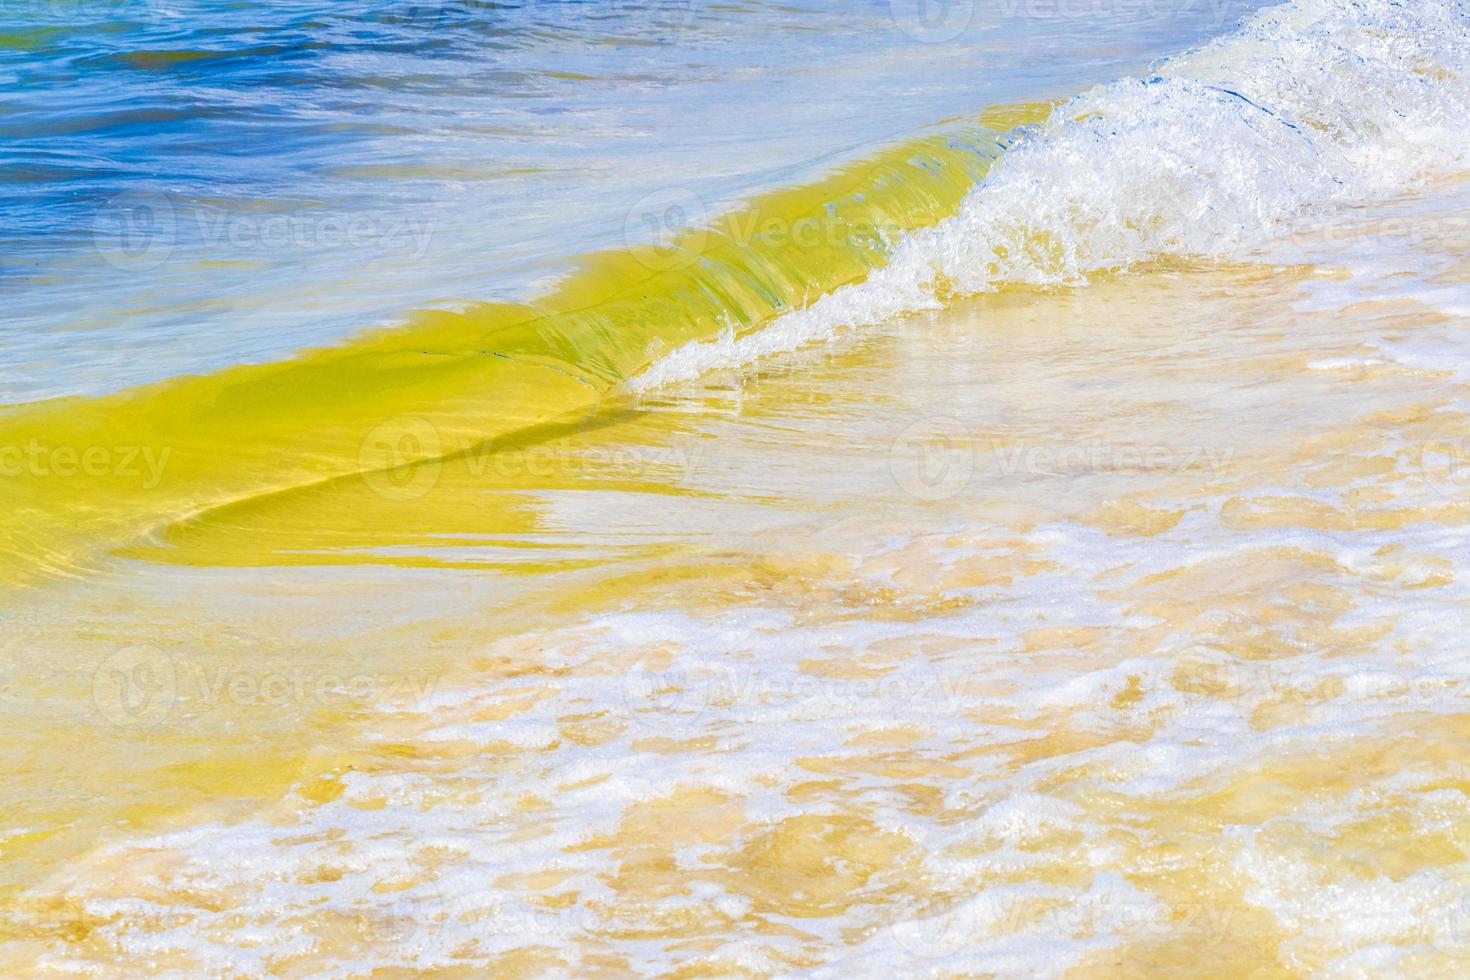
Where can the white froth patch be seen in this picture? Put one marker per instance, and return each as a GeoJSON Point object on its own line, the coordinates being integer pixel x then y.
{"type": "Point", "coordinates": [449, 832]}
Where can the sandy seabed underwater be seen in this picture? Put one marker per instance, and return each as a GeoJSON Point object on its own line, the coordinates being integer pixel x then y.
{"type": "Point", "coordinates": [1075, 584]}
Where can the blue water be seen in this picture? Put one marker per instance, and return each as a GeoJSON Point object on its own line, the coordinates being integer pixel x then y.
{"type": "Point", "coordinates": [190, 184]}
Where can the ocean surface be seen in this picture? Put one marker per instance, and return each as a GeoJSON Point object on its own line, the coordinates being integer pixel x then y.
{"type": "Point", "coordinates": [192, 184]}
{"type": "Point", "coordinates": [735, 489]}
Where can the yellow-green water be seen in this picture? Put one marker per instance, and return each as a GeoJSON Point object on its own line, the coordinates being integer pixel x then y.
{"type": "Point", "coordinates": [90, 473]}
{"type": "Point", "coordinates": [1036, 550]}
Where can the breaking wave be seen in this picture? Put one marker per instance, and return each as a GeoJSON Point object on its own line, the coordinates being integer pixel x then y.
{"type": "Point", "coordinates": [1308, 106]}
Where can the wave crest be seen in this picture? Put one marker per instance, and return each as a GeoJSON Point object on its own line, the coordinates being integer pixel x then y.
{"type": "Point", "coordinates": [1306, 107]}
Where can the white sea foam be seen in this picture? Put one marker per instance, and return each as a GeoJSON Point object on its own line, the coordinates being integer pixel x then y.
{"type": "Point", "coordinates": [1308, 106]}
{"type": "Point", "coordinates": [744, 691]}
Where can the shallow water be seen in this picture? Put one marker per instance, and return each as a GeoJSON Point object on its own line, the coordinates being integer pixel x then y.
{"type": "Point", "coordinates": [1077, 595]}
{"type": "Point", "coordinates": [1032, 668]}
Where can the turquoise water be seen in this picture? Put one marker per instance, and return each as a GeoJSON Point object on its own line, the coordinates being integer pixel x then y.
{"type": "Point", "coordinates": [189, 185]}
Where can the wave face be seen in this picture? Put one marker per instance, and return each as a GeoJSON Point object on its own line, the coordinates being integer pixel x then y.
{"type": "Point", "coordinates": [178, 173]}
{"type": "Point", "coordinates": [1308, 106]}
{"type": "Point", "coordinates": [454, 382]}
